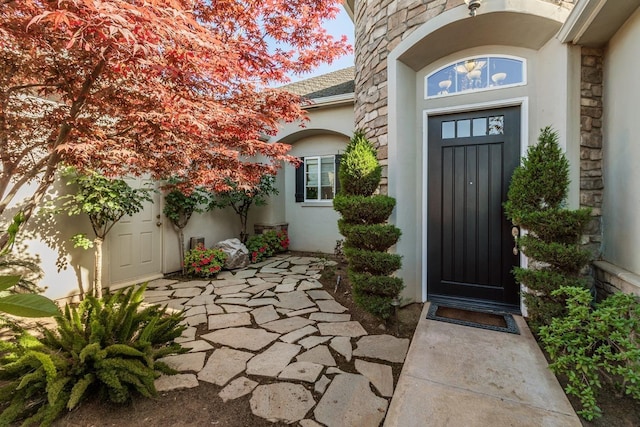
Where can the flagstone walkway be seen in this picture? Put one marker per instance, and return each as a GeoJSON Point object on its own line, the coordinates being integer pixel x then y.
{"type": "Point", "coordinates": [273, 321]}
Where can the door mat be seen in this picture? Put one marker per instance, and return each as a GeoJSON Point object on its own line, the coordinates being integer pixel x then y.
{"type": "Point", "coordinates": [494, 321]}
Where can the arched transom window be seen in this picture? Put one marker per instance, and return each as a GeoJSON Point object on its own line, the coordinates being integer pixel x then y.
{"type": "Point", "coordinates": [476, 73]}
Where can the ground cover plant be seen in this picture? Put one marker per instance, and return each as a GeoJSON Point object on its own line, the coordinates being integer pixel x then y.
{"type": "Point", "coordinates": [262, 246]}
{"type": "Point", "coordinates": [595, 345]}
{"type": "Point", "coordinates": [203, 262]}
{"type": "Point", "coordinates": [537, 202]}
{"type": "Point", "coordinates": [368, 235]}
{"type": "Point", "coordinates": [107, 347]}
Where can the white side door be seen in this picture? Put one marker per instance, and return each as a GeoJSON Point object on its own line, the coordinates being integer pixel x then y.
{"type": "Point", "coordinates": [134, 250]}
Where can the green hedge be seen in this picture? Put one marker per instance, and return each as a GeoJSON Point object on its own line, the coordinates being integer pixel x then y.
{"type": "Point", "coordinates": [373, 262]}
{"type": "Point", "coordinates": [557, 225]}
{"type": "Point", "coordinates": [376, 237]}
{"type": "Point", "coordinates": [569, 258]}
{"type": "Point", "coordinates": [364, 210]}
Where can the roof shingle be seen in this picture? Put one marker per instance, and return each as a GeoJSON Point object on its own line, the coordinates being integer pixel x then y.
{"type": "Point", "coordinates": [335, 83]}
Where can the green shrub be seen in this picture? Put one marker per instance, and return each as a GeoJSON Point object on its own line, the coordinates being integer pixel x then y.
{"type": "Point", "coordinates": [535, 201]}
{"type": "Point", "coordinates": [368, 236]}
{"type": "Point", "coordinates": [258, 248]}
{"type": "Point", "coordinates": [590, 346]}
{"type": "Point", "coordinates": [557, 225]}
{"type": "Point", "coordinates": [107, 347]}
{"type": "Point", "coordinates": [359, 171]}
{"type": "Point", "coordinates": [377, 305]}
{"type": "Point", "coordinates": [203, 262]}
{"type": "Point", "coordinates": [376, 237]}
{"type": "Point", "coordinates": [278, 241]}
{"type": "Point", "coordinates": [363, 209]}
{"type": "Point", "coordinates": [373, 262]}
{"type": "Point", "coordinates": [366, 283]}
{"type": "Point", "coordinates": [567, 258]}
{"type": "Point", "coordinates": [542, 181]}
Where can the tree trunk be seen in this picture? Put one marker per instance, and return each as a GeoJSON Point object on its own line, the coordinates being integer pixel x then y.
{"type": "Point", "coordinates": [181, 249]}
{"type": "Point", "coordinates": [243, 228]}
{"type": "Point", "coordinates": [97, 279]}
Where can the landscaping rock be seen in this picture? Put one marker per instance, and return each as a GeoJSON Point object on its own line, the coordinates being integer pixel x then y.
{"type": "Point", "coordinates": [248, 338]}
{"type": "Point", "coordinates": [343, 346]}
{"type": "Point", "coordinates": [237, 388]}
{"type": "Point", "coordinates": [331, 306]}
{"type": "Point", "coordinates": [294, 336]}
{"type": "Point", "coordinates": [175, 382]}
{"type": "Point", "coordinates": [349, 401]}
{"type": "Point", "coordinates": [224, 364]}
{"type": "Point", "coordinates": [320, 355]}
{"type": "Point", "coordinates": [264, 314]}
{"type": "Point", "coordinates": [273, 360]}
{"type": "Point", "coordinates": [185, 362]}
{"type": "Point", "coordinates": [343, 329]}
{"type": "Point", "coordinates": [195, 346]}
{"type": "Point", "coordinates": [301, 371]}
{"type": "Point", "coordinates": [383, 347]}
{"type": "Point", "coordinates": [319, 295]}
{"type": "Point", "coordinates": [237, 253]}
{"type": "Point", "coordinates": [219, 321]}
{"type": "Point", "coordinates": [330, 317]}
{"type": "Point", "coordinates": [321, 385]}
{"type": "Point", "coordinates": [287, 325]}
{"type": "Point", "coordinates": [311, 342]}
{"type": "Point", "coordinates": [296, 300]}
{"type": "Point", "coordinates": [284, 402]}
{"type": "Point", "coordinates": [381, 376]}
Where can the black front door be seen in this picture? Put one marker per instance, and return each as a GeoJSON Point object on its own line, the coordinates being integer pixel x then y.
{"type": "Point", "coordinates": [470, 246]}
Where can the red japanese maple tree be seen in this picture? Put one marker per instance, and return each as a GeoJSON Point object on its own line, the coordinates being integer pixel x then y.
{"type": "Point", "coordinates": [165, 87]}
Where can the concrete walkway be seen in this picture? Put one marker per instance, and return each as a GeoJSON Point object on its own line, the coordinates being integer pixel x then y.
{"type": "Point", "coordinates": [462, 376]}
{"type": "Point", "coordinates": [270, 331]}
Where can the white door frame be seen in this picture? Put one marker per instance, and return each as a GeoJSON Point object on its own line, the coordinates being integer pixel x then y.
{"type": "Point", "coordinates": [522, 102]}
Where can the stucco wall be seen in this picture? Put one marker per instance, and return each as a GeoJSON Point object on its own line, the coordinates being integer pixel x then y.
{"type": "Point", "coordinates": [313, 226]}
{"type": "Point", "coordinates": [621, 204]}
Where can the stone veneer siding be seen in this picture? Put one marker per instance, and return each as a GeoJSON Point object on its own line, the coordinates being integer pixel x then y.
{"type": "Point", "coordinates": [380, 25]}
{"type": "Point", "coordinates": [591, 183]}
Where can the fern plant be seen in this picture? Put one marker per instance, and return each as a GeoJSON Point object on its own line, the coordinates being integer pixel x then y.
{"type": "Point", "coordinates": [107, 347]}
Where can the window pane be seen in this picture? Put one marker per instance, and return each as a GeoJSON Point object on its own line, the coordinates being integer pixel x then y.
{"type": "Point", "coordinates": [448, 130]}
{"type": "Point", "coordinates": [312, 193]}
{"type": "Point", "coordinates": [480, 126]}
{"type": "Point", "coordinates": [496, 125]}
{"type": "Point", "coordinates": [486, 72]}
{"type": "Point", "coordinates": [327, 166]}
{"type": "Point", "coordinates": [464, 128]}
{"type": "Point", "coordinates": [327, 193]}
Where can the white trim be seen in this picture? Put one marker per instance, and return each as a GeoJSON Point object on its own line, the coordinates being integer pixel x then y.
{"type": "Point", "coordinates": [329, 101]}
{"type": "Point", "coordinates": [520, 59]}
{"type": "Point", "coordinates": [579, 20]}
{"type": "Point", "coordinates": [522, 102]}
{"type": "Point", "coordinates": [319, 202]}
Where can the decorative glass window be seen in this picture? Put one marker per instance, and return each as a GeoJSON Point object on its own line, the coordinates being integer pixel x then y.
{"type": "Point", "coordinates": [320, 178]}
{"type": "Point", "coordinates": [481, 126]}
{"type": "Point", "coordinates": [477, 73]}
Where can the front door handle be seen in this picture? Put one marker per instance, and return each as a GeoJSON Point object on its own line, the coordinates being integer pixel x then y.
{"type": "Point", "coordinates": [515, 232]}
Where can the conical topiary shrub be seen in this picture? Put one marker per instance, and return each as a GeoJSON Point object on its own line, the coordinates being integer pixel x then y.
{"type": "Point", "coordinates": [535, 202]}
{"type": "Point", "coordinates": [368, 236]}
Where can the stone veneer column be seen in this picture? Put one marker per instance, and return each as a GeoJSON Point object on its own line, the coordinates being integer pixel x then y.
{"type": "Point", "coordinates": [591, 183]}
{"type": "Point", "coordinates": [380, 25]}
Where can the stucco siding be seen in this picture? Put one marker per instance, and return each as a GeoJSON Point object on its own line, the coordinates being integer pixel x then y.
{"type": "Point", "coordinates": [621, 203]}
{"type": "Point", "coordinates": [313, 226]}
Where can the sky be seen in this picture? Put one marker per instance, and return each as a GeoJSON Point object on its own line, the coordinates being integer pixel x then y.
{"type": "Point", "coordinates": [342, 25]}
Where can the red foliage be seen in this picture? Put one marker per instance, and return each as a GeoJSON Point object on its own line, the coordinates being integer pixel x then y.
{"type": "Point", "coordinates": [165, 87]}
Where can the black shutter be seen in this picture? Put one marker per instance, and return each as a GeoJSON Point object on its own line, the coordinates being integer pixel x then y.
{"type": "Point", "coordinates": [300, 181]}
{"type": "Point", "coordinates": [338, 159]}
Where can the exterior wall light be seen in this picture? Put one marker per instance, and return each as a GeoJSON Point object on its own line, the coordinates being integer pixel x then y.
{"type": "Point", "coordinates": [473, 5]}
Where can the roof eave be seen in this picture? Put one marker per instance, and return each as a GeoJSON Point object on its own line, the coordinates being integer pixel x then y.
{"type": "Point", "coordinates": [330, 101]}
{"type": "Point", "coordinates": [349, 6]}
{"type": "Point", "coordinates": [594, 22]}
